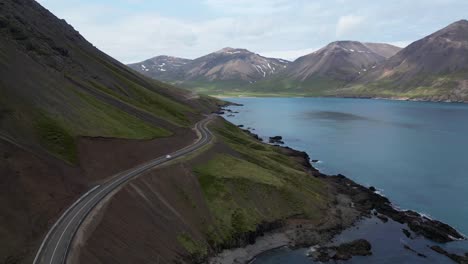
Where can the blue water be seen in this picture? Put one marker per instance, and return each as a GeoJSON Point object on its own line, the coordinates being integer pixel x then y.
{"type": "Point", "coordinates": [415, 152]}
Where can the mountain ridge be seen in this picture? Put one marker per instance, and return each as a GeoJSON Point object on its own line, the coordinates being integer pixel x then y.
{"type": "Point", "coordinates": [229, 67]}
{"type": "Point", "coordinates": [433, 68]}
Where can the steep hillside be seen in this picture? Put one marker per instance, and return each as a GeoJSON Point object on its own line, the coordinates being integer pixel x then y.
{"type": "Point", "coordinates": [224, 70]}
{"type": "Point", "coordinates": [331, 67]}
{"type": "Point", "coordinates": [54, 81]}
{"type": "Point", "coordinates": [224, 196]}
{"type": "Point", "coordinates": [433, 68]}
{"type": "Point", "coordinates": [71, 116]}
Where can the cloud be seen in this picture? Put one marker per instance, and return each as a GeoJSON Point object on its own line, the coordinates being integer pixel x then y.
{"type": "Point", "coordinates": [249, 6]}
{"type": "Point", "coordinates": [348, 24]}
{"type": "Point", "coordinates": [134, 30]}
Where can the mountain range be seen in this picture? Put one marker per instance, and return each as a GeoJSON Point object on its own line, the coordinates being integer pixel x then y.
{"type": "Point", "coordinates": [433, 68]}
{"type": "Point", "coordinates": [224, 69]}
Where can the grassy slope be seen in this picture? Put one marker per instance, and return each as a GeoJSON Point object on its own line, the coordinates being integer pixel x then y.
{"type": "Point", "coordinates": [272, 87]}
{"type": "Point", "coordinates": [252, 183]}
{"type": "Point", "coordinates": [47, 71]}
{"type": "Point", "coordinates": [422, 86]}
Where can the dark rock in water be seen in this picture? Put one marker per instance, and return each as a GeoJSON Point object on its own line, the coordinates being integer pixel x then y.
{"type": "Point", "coordinates": [219, 112]}
{"type": "Point", "coordinates": [315, 161]}
{"type": "Point", "coordinates": [414, 251]}
{"type": "Point", "coordinates": [345, 251]}
{"type": "Point", "coordinates": [372, 189]}
{"type": "Point", "coordinates": [406, 232]}
{"type": "Point", "coordinates": [383, 218]}
{"type": "Point", "coordinates": [366, 201]}
{"type": "Point", "coordinates": [454, 257]}
{"type": "Point", "coordinates": [253, 135]}
{"type": "Point", "coordinates": [241, 126]}
{"type": "Point", "coordinates": [276, 140]}
{"type": "Point", "coordinates": [230, 115]}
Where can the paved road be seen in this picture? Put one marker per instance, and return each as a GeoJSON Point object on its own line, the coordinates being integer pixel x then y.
{"type": "Point", "coordinates": [55, 246]}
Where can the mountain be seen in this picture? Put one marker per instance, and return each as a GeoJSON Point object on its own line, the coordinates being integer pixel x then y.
{"type": "Point", "coordinates": [383, 49]}
{"type": "Point", "coordinates": [333, 66]}
{"type": "Point", "coordinates": [434, 68]}
{"type": "Point", "coordinates": [341, 60]}
{"type": "Point", "coordinates": [70, 116]}
{"type": "Point", "coordinates": [164, 68]}
{"type": "Point", "coordinates": [223, 70]}
{"type": "Point", "coordinates": [51, 74]}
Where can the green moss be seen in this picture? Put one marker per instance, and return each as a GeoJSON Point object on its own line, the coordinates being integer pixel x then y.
{"type": "Point", "coordinates": [55, 138]}
{"type": "Point", "coordinates": [141, 93]}
{"type": "Point", "coordinates": [197, 250]}
{"type": "Point", "coordinates": [99, 119]}
{"type": "Point", "coordinates": [259, 185]}
{"type": "Point", "coordinates": [149, 101]}
{"type": "Point", "coordinates": [239, 222]}
{"type": "Point", "coordinates": [421, 86]}
{"type": "Point", "coordinates": [280, 86]}
{"type": "Point", "coordinates": [233, 168]}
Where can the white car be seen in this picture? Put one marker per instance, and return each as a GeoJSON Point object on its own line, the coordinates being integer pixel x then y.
{"type": "Point", "coordinates": [168, 156]}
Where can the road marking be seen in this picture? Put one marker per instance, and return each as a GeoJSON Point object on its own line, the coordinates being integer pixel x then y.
{"type": "Point", "coordinates": [69, 222]}
{"type": "Point", "coordinates": [120, 179]}
{"type": "Point", "coordinates": [60, 219]}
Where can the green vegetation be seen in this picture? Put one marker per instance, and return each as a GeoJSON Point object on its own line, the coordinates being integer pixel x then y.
{"type": "Point", "coordinates": [139, 93]}
{"type": "Point", "coordinates": [55, 138]}
{"type": "Point", "coordinates": [276, 87]}
{"type": "Point", "coordinates": [197, 250]}
{"type": "Point", "coordinates": [252, 184]}
{"type": "Point", "coordinates": [421, 86]}
{"type": "Point", "coordinates": [99, 119]}
{"type": "Point", "coordinates": [313, 86]}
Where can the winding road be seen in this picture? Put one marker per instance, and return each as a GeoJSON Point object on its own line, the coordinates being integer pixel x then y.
{"type": "Point", "coordinates": [55, 246]}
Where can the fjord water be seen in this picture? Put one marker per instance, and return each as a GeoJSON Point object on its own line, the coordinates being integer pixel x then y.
{"type": "Point", "coordinates": [416, 153]}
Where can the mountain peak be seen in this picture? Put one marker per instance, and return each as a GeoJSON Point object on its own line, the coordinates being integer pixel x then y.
{"type": "Point", "coordinates": [229, 50]}
{"type": "Point", "coordinates": [462, 22]}
{"type": "Point", "coordinates": [455, 32]}
{"type": "Point", "coordinates": [344, 42]}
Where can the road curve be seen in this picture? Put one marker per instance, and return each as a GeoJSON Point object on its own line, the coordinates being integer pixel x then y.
{"type": "Point", "coordinates": [55, 246]}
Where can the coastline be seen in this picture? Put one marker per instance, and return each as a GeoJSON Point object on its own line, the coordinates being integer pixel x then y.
{"type": "Point", "coordinates": [354, 203]}
{"type": "Point", "coordinates": [323, 235]}
{"type": "Point", "coordinates": [396, 98]}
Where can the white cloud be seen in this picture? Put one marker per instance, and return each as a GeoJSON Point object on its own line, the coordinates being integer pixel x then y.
{"type": "Point", "coordinates": [276, 28]}
{"type": "Point", "coordinates": [249, 6]}
{"type": "Point", "coordinates": [348, 24]}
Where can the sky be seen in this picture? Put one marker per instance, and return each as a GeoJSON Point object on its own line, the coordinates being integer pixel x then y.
{"type": "Point", "coordinates": [135, 30]}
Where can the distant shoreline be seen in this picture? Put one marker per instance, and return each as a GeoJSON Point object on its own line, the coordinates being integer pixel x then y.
{"type": "Point", "coordinates": [403, 99]}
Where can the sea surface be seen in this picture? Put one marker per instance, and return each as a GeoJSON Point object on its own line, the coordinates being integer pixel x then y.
{"type": "Point", "coordinates": [415, 153]}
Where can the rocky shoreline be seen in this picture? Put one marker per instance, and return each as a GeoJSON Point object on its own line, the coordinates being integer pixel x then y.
{"type": "Point", "coordinates": [352, 202]}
